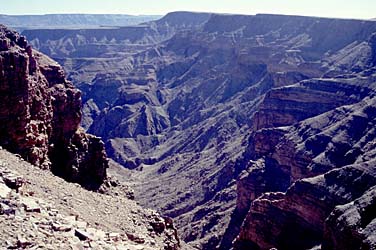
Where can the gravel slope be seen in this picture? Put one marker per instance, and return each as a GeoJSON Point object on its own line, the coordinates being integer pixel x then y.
{"type": "Point", "coordinates": [49, 213]}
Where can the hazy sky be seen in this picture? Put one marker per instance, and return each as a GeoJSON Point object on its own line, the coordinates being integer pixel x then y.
{"type": "Point", "coordinates": [327, 8]}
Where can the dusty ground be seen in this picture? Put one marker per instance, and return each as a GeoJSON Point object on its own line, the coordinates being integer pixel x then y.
{"type": "Point", "coordinates": [49, 213]}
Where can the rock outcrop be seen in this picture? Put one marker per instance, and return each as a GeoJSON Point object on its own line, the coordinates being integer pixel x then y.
{"type": "Point", "coordinates": [288, 105]}
{"type": "Point", "coordinates": [352, 226]}
{"type": "Point", "coordinates": [295, 220]}
{"type": "Point", "coordinates": [338, 149]}
{"type": "Point", "coordinates": [41, 113]}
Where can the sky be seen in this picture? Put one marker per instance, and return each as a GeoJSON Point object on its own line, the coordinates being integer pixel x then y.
{"type": "Point", "coordinates": [363, 9]}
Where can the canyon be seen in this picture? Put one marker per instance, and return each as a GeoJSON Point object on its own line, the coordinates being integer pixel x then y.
{"type": "Point", "coordinates": [40, 123]}
{"type": "Point", "coordinates": [251, 132]}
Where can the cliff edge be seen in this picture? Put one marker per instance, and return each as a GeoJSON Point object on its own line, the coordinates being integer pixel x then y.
{"type": "Point", "coordinates": [40, 113]}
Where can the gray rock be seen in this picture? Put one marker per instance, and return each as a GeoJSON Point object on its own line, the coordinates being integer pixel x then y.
{"type": "Point", "coordinates": [83, 235]}
{"type": "Point", "coordinates": [61, 227]}
{"type": "Point", "coordinates": [23, 243]}
{"type": "Point", "coordinates": [13, 181]}
{"type": "Point", "coordinates": [5, 209]}
{"type": "Point", "coordinates": [30, 205]}
{"type": "Point", "coordinates": [4, 190]}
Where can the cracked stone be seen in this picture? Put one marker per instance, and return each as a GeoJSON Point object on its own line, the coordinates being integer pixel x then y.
{"type": "Point", "coordinates": [30, 205]}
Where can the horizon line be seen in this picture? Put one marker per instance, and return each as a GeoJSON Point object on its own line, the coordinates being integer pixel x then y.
{"type": "Point", "coordinates": [219, 13]}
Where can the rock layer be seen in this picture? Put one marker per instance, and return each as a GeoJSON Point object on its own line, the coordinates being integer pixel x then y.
{"type": "Point", "coordinates": [342, 140]}
{"type": "Point", "coordinates": [41, 113]}
{"type": "Point", "coordinates": [207, 103]}
{"type": "Point", "coordinates": [352, 226]}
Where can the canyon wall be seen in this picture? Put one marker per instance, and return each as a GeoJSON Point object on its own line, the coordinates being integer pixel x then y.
{"type": "Point", "coordinates": [210, 112]}
{"type": "Point", "coordinates": [41, 113]}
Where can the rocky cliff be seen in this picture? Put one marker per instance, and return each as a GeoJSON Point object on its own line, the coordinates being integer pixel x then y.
{"type": "Point", "coordinates": [352, 226]}
{"type": "Point", "coordinates": [41, 113]}
{"type": "Point", "coordinates": [337, 150]}
{"type": "Point", "coordinates": [210, 112]}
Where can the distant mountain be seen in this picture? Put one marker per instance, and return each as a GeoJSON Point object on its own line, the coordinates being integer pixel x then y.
{"type": "Point", "coordinates": [75, 42]}
{"type": "Point", "coordinates": [21, 22]}
{"type": "Point", "coordinates": [184, 19]}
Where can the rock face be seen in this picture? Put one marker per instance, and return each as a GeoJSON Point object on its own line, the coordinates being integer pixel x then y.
{"type": "Point", "coordinates": [288, 105]}
{"type": "Point", "coordinates": [342, 140]}
{"type": "Point", "coordinates": [41, 113]}
{"type": "Point", "coordinates": [210, 112]}
{"type": "Point", "coordinates": [352, 226]}
{"type": "Point", "coordinates": [299, 215]}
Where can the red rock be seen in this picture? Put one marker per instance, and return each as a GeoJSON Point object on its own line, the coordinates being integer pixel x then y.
{"type": "Point", "coordinates": [40, 113]}
{"type": "Point", "coordinates": [326, 161]}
